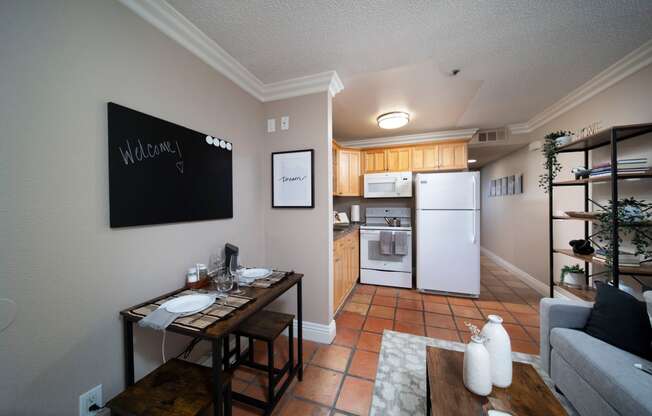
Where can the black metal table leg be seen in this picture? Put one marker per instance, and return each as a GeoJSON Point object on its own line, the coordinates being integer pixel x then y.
{"type": "Point", "coordinates": [217, 376]}
{"type": "Point", "coordinates": [299, 331]}
{"type": "Point", "coordinates": [128, 335]}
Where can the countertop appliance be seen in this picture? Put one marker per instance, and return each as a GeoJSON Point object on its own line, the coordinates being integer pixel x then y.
{"type": "Point", "coordinates": [448, 232]}
{"type": "Point", "coordinates": [389, 268]}
{"type": "Point", "coordinates": [388, 185]}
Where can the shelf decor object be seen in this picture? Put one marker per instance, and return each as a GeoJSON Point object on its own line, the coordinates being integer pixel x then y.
{"type": "Point", "coordinates": [608, 137]}
{"type": "Point", "coordinates": [293, 179]}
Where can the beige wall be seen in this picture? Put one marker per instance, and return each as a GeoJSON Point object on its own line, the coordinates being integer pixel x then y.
{"type": "Point", "coordinates": [67, 270]}
{"type": "Point", "coordinates": [516, 227]}
{"type": "Point", "coordinates": [295, 237]}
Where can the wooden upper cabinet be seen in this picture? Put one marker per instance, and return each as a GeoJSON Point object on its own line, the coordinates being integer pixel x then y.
{"type": "Point", "coordinates": [375, 161]}
{"type": "Point", "coordinates": [453, 156]}
{"type": "Point", "coordinates": [398, 159]}
{"type": "Point", "coordinates": [425, 158]}
{"type": "Point", "coordinates": [346, 172]}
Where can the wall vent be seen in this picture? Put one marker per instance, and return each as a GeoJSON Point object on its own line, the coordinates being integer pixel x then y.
{"type": "Point", "coordinates": [490, 136]}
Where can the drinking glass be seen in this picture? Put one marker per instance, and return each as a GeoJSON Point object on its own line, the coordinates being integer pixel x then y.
{"type": "Point", "coordinates": [215, 264]}
{"type": "Point", "coordinates": [234, 271]}
{"type": "Point", "coordinates": [223, 282]}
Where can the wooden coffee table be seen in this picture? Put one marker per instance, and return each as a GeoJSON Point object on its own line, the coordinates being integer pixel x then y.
{"type": "Point", "coordinates": [528, 394]}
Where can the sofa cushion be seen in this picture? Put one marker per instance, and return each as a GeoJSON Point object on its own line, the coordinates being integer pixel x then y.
{"type": "Point", "coordinates": [621, 320]}
{"type": "Point", "coordinates": [609, 370]}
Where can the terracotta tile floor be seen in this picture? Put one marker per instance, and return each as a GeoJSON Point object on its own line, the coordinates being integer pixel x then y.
{"type": "Point", "coordinates": [338, 378]}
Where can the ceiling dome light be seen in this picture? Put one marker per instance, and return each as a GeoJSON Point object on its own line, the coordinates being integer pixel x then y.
{"type": "Point", "coordinates": [393, 120]}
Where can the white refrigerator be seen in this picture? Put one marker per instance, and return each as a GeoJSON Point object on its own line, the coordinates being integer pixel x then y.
{"type": "Point", "coordinates": [448, 232]}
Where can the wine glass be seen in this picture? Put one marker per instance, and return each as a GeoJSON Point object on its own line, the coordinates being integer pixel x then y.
{"type": "Point", "coordinates": [234, 271]}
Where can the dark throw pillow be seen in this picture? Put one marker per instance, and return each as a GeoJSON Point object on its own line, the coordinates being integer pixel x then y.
{"type": "Point", "coordinates": [621, 320]}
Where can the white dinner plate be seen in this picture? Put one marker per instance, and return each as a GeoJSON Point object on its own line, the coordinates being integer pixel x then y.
{"type": "Point", "coordinates": [188, 304]}
{"type": "Point", "coordinates": [252, 274]}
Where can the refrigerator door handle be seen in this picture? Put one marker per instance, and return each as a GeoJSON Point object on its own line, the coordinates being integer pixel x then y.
{"type": "Point", "coordinates": [475, 184]}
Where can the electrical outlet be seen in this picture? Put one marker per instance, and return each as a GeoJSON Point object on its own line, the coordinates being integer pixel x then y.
{"type": "Point", "coordinates": [91, 397]}
{"type": "Point", "coordinates": [285, 122]}
{"type": "Point", "coordinates": [271, 125]}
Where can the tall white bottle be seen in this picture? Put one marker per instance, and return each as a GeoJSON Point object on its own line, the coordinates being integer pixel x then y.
{"type": "Point", "coordinates": [500, 351]}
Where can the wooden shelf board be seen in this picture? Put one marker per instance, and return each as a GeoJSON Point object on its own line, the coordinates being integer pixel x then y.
{"type": "Point", "coordinates": [641, 270]}
{"type": "Point", "coordinates": [603, 138]}
{"type": "Point", "coordinates": [575, 182]}
{"type": "Point", "coordinates": [594, 218]}
{"type": "Point", "coordinates": [587, 294]}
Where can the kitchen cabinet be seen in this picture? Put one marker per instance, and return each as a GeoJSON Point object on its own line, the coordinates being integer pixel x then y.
{"type": "Point", "coordinates": [453, 156]}
{"type": "Point", "coordinates": [375, 161]}
{"type": "Point", "coordinates": [346, 266]}
{"type": "Point", "coordinates": [425, 157]}
{"type": "Point", "coordinates": [346, 172]}
{"type": "Point", "coordinates": [398, 159]}
{"type": "Point", "coordinates": [414, 158]}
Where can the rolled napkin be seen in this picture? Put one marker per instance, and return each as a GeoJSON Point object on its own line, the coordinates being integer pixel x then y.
{"type": "Point", "coordinates": [159, 319]}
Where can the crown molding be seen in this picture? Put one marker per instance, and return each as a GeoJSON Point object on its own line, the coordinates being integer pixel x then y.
{"type": "Point", "coordinates": [169, 21]}
{"type": "Point", "coordinates": [324, 81]}
{"type": "Point", "coordinates": [432, 136]}
{"type": "Point", "coordinates": [631, 63]}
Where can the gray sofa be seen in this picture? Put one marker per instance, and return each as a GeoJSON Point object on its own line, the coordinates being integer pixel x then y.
{"type": "Point", "coordinates": [597, 378]}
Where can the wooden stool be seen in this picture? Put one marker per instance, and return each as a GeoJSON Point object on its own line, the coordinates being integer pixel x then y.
{"type": "Point", "coordinates": [266, 326]}
{"type": "Point", "coordinates": [177, 388]}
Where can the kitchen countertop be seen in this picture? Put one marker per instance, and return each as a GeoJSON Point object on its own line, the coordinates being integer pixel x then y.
{"type": "Point", "coordinates": [340, 232]}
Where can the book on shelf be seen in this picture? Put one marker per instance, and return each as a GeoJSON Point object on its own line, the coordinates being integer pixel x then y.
{"type": "Point", "coordinates": [638, 165]}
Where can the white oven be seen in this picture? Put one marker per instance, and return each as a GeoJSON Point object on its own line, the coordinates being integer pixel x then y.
{"type": "Point", "coordinates": [372, 258]}
{"type": "Point", "coordinates": [388, 185]}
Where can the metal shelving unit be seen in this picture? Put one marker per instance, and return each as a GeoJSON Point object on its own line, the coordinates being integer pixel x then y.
{"type": "Point", "coordinates": [609, 137]}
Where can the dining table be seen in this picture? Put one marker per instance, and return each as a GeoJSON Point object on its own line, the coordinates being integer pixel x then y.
{"type": "Point", "coordinates": [218, 333]}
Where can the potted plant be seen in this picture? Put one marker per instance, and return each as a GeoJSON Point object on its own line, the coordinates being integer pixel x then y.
{"type": "Point", "coordinates": [551, 165]}
{"type": "Point", "coordinates": [573, 275]}
{"type": "Point", "coordinates": [634, 220]}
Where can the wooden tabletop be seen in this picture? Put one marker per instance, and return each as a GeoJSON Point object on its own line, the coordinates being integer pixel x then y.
{"type": "Point", "coordinates": [528, 394]}
{"type": "Point", "coordinates": [262, 297]}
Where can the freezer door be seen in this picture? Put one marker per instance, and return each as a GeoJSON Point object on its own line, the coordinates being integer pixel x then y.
{"type": "Point", "coordinates": [448, 251]}
{"type": "Point", "coordinates": [457, 190]}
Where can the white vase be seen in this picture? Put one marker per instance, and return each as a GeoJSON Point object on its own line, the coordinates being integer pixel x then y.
{"type": "Point", "coordinates": [477, 367]}
{"type": "Point", "coordinates": [500, 351]}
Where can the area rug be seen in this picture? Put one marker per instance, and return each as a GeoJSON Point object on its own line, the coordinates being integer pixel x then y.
{"type": "Point", "coordinates": [400, 387]}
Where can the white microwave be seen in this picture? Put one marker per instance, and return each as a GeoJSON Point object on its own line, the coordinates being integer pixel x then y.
{"type": "Point", "coordinates": [388, 185]}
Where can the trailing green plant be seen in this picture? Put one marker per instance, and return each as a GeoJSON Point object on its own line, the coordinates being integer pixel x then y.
{"type": "Point", "coordinates": [551, 166]}
{"type": "Point", "coordinates": [575, 268]}
{"type": "Point", "coordinates": [634, 220]}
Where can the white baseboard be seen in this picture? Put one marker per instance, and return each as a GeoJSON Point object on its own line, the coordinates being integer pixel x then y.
{"type": "Point", "coordinates": [526, 278]}
{"type": "Point", "coordinates": [324, 334]}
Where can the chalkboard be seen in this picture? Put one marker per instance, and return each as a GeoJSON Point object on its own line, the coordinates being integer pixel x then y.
{"type": "Point", "coordinates": [160, 172]}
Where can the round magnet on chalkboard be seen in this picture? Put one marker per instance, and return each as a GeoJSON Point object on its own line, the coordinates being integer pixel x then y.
{"type": "Point", "coordinates": [228, 146]}
{"type": "Point", "coordinates": [209, 140]}
{"type": "Point", "coordinates": [216, 142]}
{"type": "Point", "coordinates": [222, 144]}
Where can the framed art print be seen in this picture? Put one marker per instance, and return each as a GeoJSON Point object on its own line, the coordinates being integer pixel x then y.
{"type": "Point", "coordinates": [293, 182]}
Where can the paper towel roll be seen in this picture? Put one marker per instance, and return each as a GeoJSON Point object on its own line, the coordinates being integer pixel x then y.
{"type": "Point", "coordinates": [355, 213]}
